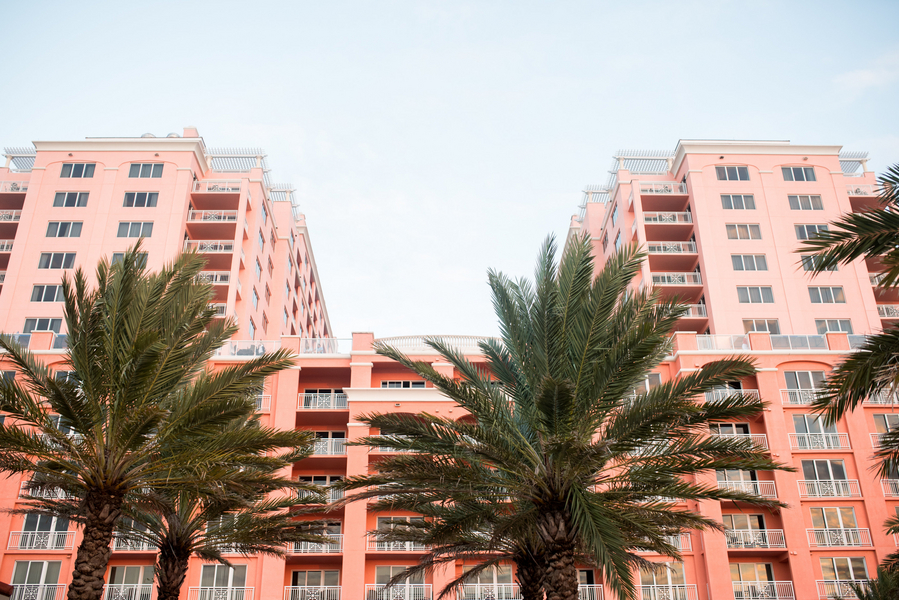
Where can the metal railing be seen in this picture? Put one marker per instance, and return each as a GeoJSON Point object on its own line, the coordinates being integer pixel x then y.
{"type": "Point", "coordinates": [329, 495]}
{"type": "Point", "coordinates": [128, 591]}
{"type": "Point", "coordinates": [2, 276]}
{"type": "Point", "coordinates": [888, 311]}
{"type": "Point", "coordinates": [863, 189]}
{"type": "Point", "coordinates": [412, 343]}
{"type": "Point", "coordinates": [668, 592]}
{"type": "Point", "coordinates": [220, 593]}
{"type": "Point", "coordinates": [220, 308]}
{"type": "Point", "coordinates": [828, 488]}
{"type": "Point", "coordinates": [876, 439]}
{"type": "Point", "coordinates": [212, 215]}
{"type": "Point", "coordinates": [755, 538]}
{"type": "Point", "coordinates": [766, 489]}
{"type": "Point", "coordinates": [13, 187]}
{"type": "Point", "coordinates": [799, 342]}
{"type": "Point", "coordinates": [857, 340]}
{"type": "Point", "coordinates": [400, 591]}
{"type": "Point", "coordinates": [666, 218]}
{"type": "Point", "coordinates": [38, 591]}
{"type": "Point", "coordinates": [838, 537]}
{"type": "Point", "coordinates": [248, 347]}
{"type": "Point", "coordinates": [263, 403]}
{"type": "Point", "coordinates": [714, 395]}
{"type": "Point", "coordinates": [882, 398]}
{"type": "Point", "coordinates": [722, 342]}
{"type": "Point", "coordinates": [489, 591]}
{"type": "Point", "coordinates": [6, 245]}
{"type": "Point", "coordinates": [324, 592]}
{"type": "Point", "coordinates": [217, 186]}
{"type": "Point", "coordinates": [756, 590]}
{"type": "Point", "coordinates": [759, 439]}
{"type": "Point", "coordinates": [696, 310]}
{"type": "Point", "coordinates": [379, 546]}
{"type": "Point", "coordinates": [838, 588]}
{"type": "Point", "coordinates": [334, 546]}
{"type": "Point", "coordinates": [689, 278]}
{"type": "Point", "coordinates": [590, 591]}
{"type": "Point", "coordinates": [876, 278]}
{"type": "Point", "coordinates": [10, 215]}
{"type": "Point", "coordinates": [209, 246]}
{"type": "Point", "coordinates": [318, 401]}
{"type": "Point", "coordinates": [325, 346]}
{"type": "Point", "coordinates": [55, 493]}
{"type": "Point", "coordinates": [798, 397]}
{"type": "Point", "coordinates": [890, 487]}
{"type": "Point", "coordinates": [819, 441]}
{"type": "Point", "coordinates": [671, 247]}
{"type": "Point", "coordinates": [123, 543]}
{"type": "Point", "coordinates": [60, 341]}
{"type": "Point", "coordinates": [329, 446]}
{"type": "Point", "coordinates": [214, 277]}
{"type": "Point", "coordinates": [41, 540]}
{"type": "Point", "coordinates": [662, 188]}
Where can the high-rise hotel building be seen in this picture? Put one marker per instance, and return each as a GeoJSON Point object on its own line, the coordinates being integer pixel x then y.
{"type": "Point", "coordinates": [720, 221]}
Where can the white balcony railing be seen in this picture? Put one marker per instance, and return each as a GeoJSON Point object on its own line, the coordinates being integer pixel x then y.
{"type": "Point", "coordinates": [263, 403]}
{"type": "Point", "coordinates": [890, 487]}
{"type": "Point", "coordinates": [13, 187]}
{"type": "Point", "coordinates": [6, 245]}
{"type": "Point", "coordinates": [862, 189]}
{"type": "Point", "coordinates": [722, 342]}
{"type": "Point", "coordinates": [2, 276]}
{"type": "Point", "coordinates": [769, 590]}
{"type": "Point", "coordinates": [329, 446]}
{"type": "Point", "coordinates": [38, 591]}
{"type": "Point", "coordinates": [876, 278]}
{"type": "Point", "coordinates": [676, 278]}
{"type": "Point", "coordinates": [327, 592]}
{"type": "Point", "coordinates": [333, 547]}
{"type": "Point", "coordinates": [248, 347]}
{"type": "Point", "coordinates": [10, 215]}
{"type": "Point", "coordinates": [682, 542]}
{"type": "Point", "coordinates": [489, 591]}
{"type": "Point", "coordinates": [214, 277]}
{"type": "Point", "coordinates": [128, 591]}
{"type": "Point", "coordinates": [54, 494]}
{"type": "Point", "coordinates": [662, 188]}
{"type": "Point", "coordinates": [819, 441]}
{"type": "Point", "coordinates": [828, 589]}
{"type": "Point", "coordinates": [856, 341]}
{"type": "Point", "coordinates": [755, 538]}
{"type": "Point", "coordinates": [400, 591]}
{"type": "Point", "coordinates": [696, 311]}
{"type": "Point", "coordinates": [220, 593]}
{"type": "Point", "coordinates": [319, 401]}
{"type": "Point", "coordinates": [591, 591]}
{"type": "Point", "coordinates": [766, 489]}
{"type": "Point", "coordinates": [799, 397]}
{"type": "Point", "coordinates": [212, 215]}
{"type": "Point", "coordinates": [829, 488]}
{"type": "Point", "coordinates": [329, 495]}
{"type": "Point", "coordinates": [759, 439]}
{"type": "Point", "coordinates": [325, 346]}
{"type": "Point", "coordinates": [671, 247]}
{"type": "Point", "coordinates": [668, 592]}
{"type": "Point", "coordinates": [888, 311]}
{"type": "Point", "coordinates": [667, 218]}
{"type": "Point", "coordinates": [416, 343]}
{"type": "Point", "coordinates": [799, 342]}
{"type": "Point", "coordinates": [220, 308]}
{"type": "Point", "coordinates": [209, 246]}
{"type": "Point", "coordinates": [838, 537]}
{"type": "Point", "coordinates": [217, 186]}
{"type": "Point", "coordinates": [41, 540]}
{"type": "Point", "coordinates": [123, 543]}
{"type": "Point", "coordinates": [379, 546]}
{"type": "Point", "coordinates": [882, 398]}
{"type": "Point", "coordinates": [721, 394]}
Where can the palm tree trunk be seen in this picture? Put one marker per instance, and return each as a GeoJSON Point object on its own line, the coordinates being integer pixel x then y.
{"type": "Point", "coordinates": [101, 512]}
{"type": "Point", "coordinates": [554, 528]}
{"type": "Point", "coordinates": [530, 574]}
{"type": "Point", "coordinates": [171, 570]}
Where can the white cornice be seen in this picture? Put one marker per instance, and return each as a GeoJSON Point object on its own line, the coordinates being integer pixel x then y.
{"type": "Point", "coordinates": [194, 145]}
{"type": "Point", "coordinates": [725, 147]}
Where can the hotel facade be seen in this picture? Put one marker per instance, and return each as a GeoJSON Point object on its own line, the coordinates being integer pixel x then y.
{"type": "Point", "coordinates": [720, 221]}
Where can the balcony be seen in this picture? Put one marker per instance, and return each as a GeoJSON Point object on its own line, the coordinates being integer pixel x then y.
{"type": "Point", "coordinates": [668, 592]}
{"type": "Point", "coordinates": [214, 277]}
{"type": "Point", "coordinates": [828, 589]}
{"type": "Point", "coordinates": [122, 543]}
{"type": "Point", "coordinates": [721, 394]}
{"type": "Point", "coordinates": [489, 591]}
{"type": "Point", "coordinates": [41, 540]}
{"type": "Point", "coordinates": [220, 593]}
{"type": "Point", "coordinates": [824, 538]}
{"type": "Point", "coordinates": [829, 488]}
{"type": "Point", "coordinates": [2, 276]}
{"type": "Point", "coordinates": [875, 278]}
{"type": "Point", "coordinates": [876, 439]}
{"type": "Point", "coordinates": [755, 590]}
{"type": "Point", "coordinates": [764, 489]}
{"type": "Point", "coordinates": [759, 439]}
{"type": "Point", "coordinates": [667, 218]}
{"type": "Point", "coordinates": [54, 494]}
{"type": "Point", "coordinates": [888, 311]}
{"type": "Point", "coordinates": [400, 591]}
{"type": "Point", "coordinates": [128, 591]}
{"type": "Point", "coordinates": [819, 441]}
{"type": "Point", "coordinates": [890, 487]}
{"type": "Point", "coordinates": [379, 546]}
{"type": "Point", "coordinates": [209, 246]}
{"type": "Point", "coordinates": [328, 592]}
{"type": "Point", "coordinates": [589, 592]}
{"type": "Point", "coordinates": [331, 496]}
{"type": "Point", "coordinates": [6, 245]}
{"type": "Point", "coordinates": [194, 216]}
{"type": "Point", "coordinates": [755, 538]}
{"type": "Point", "coordinates": [38, 591]}
{"type": "Point", "coordinates": [863, 190]}
{"type": "Point", "coordinates": [722, 342]}
{"type": "Point", "coordinates": [695, 311]}
{"type": "Point", "coordinates": [316, 401]}
{"type": "Point", "coordinates": [799, 397]}
{"type": "Point", "coordinates": [248, 347]}
{"type": "Point", "coordinates": [682, 542]}
{"type": "Point", "coordinates": [263, 403]}
{"type": "Point", "coordinates": [671, 247]}
{"type": "Point", "coordinates": [798, 342]}
{"type": "Point", "coordinates": [333, 547]}
{"type": "Point", "coordinates": [882, 399]}
{"type": "Point", "coordinates": [329, 447]}
{"type": "Point", "coordinates": [220, 308]}
{"type": "Point", "coordinates": [678, 279]}
{"type": "Point", "coordinates": [10, 215]}
{"type": "Point", "coordinates": [216, 187]}
{"type": "Point", "coordinates": [13, 187]}
{"type": "Point", "coordinates": [325, 346]}
{"type": "Point", "coordinates": [659, 188]}
{"type": "Point", "coordinates": [856, 341]}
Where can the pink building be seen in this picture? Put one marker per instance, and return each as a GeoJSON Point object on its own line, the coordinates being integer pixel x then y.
{"type": "Point", "coordinates": [724, 242]}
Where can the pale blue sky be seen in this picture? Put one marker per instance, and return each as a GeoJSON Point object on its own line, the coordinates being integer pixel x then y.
{"type": "Point", "coordinates": [432, 140]}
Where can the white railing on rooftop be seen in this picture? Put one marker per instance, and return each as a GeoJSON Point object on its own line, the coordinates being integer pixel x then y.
{"type": "Point", "coordinates": [766, 489]}
{"type": "Point", "coordinates": [799, 342]}
{"type": "Point", "coordinates": [491, 591]}
{"type": "Point", "coordinates": [209, 246]}
{"type": "Point", "coordinates": [689, 278]}
{"type": "Point", "coordinates": [828, 589]}
{"type": "Point", "coordinates": [769, 590]}
{"type": "Point", "coordinates": [324, 592]}
{"type": "Point", "coordinates": [755, 538]}
{"type": "Point", "coordinates": [888, 311]}
{"type": "Point", "coordinates": [217, 186]}
{"type": "Point", "coordinates": [666, 218]}
{"type": "Point", "coordinates": [41, 540]}
{"type": "Point", "coordinates": [828, 488]}
{"type": "Point", "coordinates": [248, 347]}
{"type": "Point", "coordinates": [416, 343]}
{"type": "Point", "coordinates": [329, 446]}
{"type": "Point", "coordinates": [759, 439]}
{"type": "Point", "coordinates": [214, 277]}
{"type": "Point", "coordinates": [6, 245]}
{"type": "Point", "coordinates": [819, 441]}
{"type": "Point", "coordinates": [322, 401]}
{"type": "Point", "coordinates": [662, 188]}
{"type": "Point", "coordinates": [862, 189]}
{"type": "Point", "coordinates": [400, 591]}
{"type": "Point", "coordinates": [212, 215]}
{"type": "Point", "coordinates": [123, 543]}
{"type": "Point", "coordinates": [838, 537]}
{"type": "Point", "coordinates": [332, 547]}
{"type": "Point", "coordinates": [38, 591]}
{"type": "Point", "coordinates": [325, 346]}
{"type": "Point", "coordinates": [798, 397]}
{"type": "Point", "coordinates": [671, 247]}
{"type": "Point", "coordinates": [722, 342]}
{"type": "Point", "coordinates": [668, 592]}
{"type": "Point", "coordinates": [128, 591]}
{"type": "Point", "coordinates": [10, 215]}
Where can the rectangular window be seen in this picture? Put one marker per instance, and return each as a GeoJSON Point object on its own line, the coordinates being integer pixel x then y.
{"type": "Point", "coordinates": [258, 270]}
{"type": "Point", "coordinates": [605, 241]}
{"type": "Point", "coordinates": [402, 384]}
{"type": "Point", "coordinates": [737, 201]}
{"type": "Point", "coordinates": [77, 170]}
{"type": "Point", "coordinates": [141, 199]}
{"type": "Point", "coordinates": [271, 267]}
{"type": "Point", "coordinates": [70, 199]}
{"type": "Point", "coordinates": [47, 293]}
{"type": "Point", "coordinates": [264, 215]}
{"type": "Point", "coordinates": [285, 317]}
{"type": "Point", "coordinates": [135, 229]}
{"type": "Point", "coordinates": [264, 322]}
{"type": "Point", "coordinates": [255, 300]}
{"type": "Point", "coordinates": [798, 173]}
{"type": "Point", "coordinates": [823, 470]}
{"type": "Point", "coordinates": [146, 170]}
{"type": "Point", "coordinates": [826, 295]}
{"type": "Point", "coordinates": [42, 325]}
{"type": "Point", "coordinates": [252, 328]}
{"type": "Point", "coordinates": [833, 325]}
{"type": "Point", "coordinates": [749, 262]}
{"type": "Point", "coordinates": [56, 260]}
{"type": "Point", "coordinates": [743, 231]}
{"type": "Point", "coordinates": [268, 295]}
{"type": "Point", "coordinates": [732, 173]}
{"type": "Point", "coordinates": [261, 241]}
{"type": "Point", "coordinates": [842, 568]}
{"type": "Point", "coordinates": [120, 256]}
{"type": "Point", "coordinates": [805, 203]}
{"type": "Point", "coordinates": [64, 229]}
{"type": "Point", "coordinates": [810, 263]}
{"type": "Point", "coordinates": [804, 380]}
{"type": "Point", "coordinates": [807, 232]}
{"type": "Point", "coordinates": [755, 294]}
{"type": "Point", "coordinates": [761, 325]}
{"type": "Point", "coordinates": [615, 215]}
{"type": "Point", "coordinates": [618, 242]}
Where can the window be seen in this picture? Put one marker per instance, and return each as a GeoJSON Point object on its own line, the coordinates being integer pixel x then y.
{"type": "Point", "coordinates": [33, 573]}
{"type": "Point", "coordinates": [737, 201]}
{"type": "Point", "coordinates": [135, 229]}
{"type": "Point", "coordinates": [252, 328]}
{"type": "Point", "coordinates": [264, 215]}
{"type": "Point", "coordinates": [833, 325]}
{"type": "Point", "coordinates": [807, 232]}
{"type": "Point", "coordinates": [146, 170]}
{"type": "Point", "coordinates": [268, 295]}
{"type": "Point", "coordinates": [810, 262]}
{"type": "Point", "coordinates": [834, 517]}
{"type": "Point", "coordinates": [255, 300]}
{"type": "Point", "coordinates": [313, 579]}
{"type": "Point", "coordinates": [798, 173]}
{"type": "Point", "coordinates": [743, 231]}
{"type": "Point", "coordinates": [743, 522]}
{"type": "Point", "coordinates": [47, 293]}
{"type": "Point", "coordinates": [761, 325]}
{"type": "Point", "coordinates": [813, 433]}
{"type": "Point", "coordinates": [826, 295]}
{"type": "Point", "coordinates": [618, 242]}
{"type": "Point", "coordinates": [823, 470]}
{"type": "Point", "coordinates": [258, 270]}
{"type": "Point", "coordinates": [120, 256]}
{"type": "Point", "coordinates": [843, 568]}
{"type": "Point", "coordinates": [261, 241]}
{"type": "Point", "coordinates": [56, 260]}
{"type": "Point", "coordinates": [286, 291]}
{"type": "Point", "coordinates": [615, 215]}
{"type": "Point", "coordinates": [605, 241]}
{"type": "Point", "coordinates": [141, 199]}
{"type": "Point", "coordinates": [804, 380]}
{"type": "Point", "coordinates": [285, 317]}
{"type": "Point", "coordinates": [271, 238]}
{"type": "Point", "coordinates": [130, 575]}
{"type": "Point", "coordinates": [42, 325]}
{"type": "Point", "coordinates": [43, 532]}
{"type": "Point", "coordinates": [499, 578]}
{"type": "Point", "coordinates": [805, 203]}
{"type": "Point", "coordinates": [264, 323]}
{"type": "Point", "coordinates": [383, 574]}
{"type": "Point", "coordinates": [729, 429]}
{"type": "Point", "coordinates": [223, 576]}
{"type": "Point", "coordinates": [271, 267]}
{"type": "Point", "coordinates": [755, 294]}
{"type": "Point", "coordinates": [673, 575]}
{"type": "Point", "coordinates": [64, 229]}
{"type": "Point", "coordinates": [69, 376]}
{"type": "Point", "coordinates": [402, 384]}
{"type": "Point", "coordinates": [77, 170]}
{"type": "Point", "coordinates": [746, 576]}
{"type": "Point", "coordinates": [732, 173]}
{"type": "Point", "coordinates": [70, 199]}
{"type": "Point", "coordinates": [749, 262]}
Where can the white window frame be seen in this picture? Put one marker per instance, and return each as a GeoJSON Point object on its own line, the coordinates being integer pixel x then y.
{"type": "Point", "coordinates": [66, 260]}
{"type": "Point", "coordinates": [802, 230]}
{"type": "Point", "coordinates": [140, 200]}
{"type": "Point", "coordinates": [760, 291]}
{"type": "Point", "coordinates": [143, 229]}
{"type": "Point", "coordinates": [743, 231]}
{"type": "Point", "coordinates": [749, 259]}
{"type": "Point", "coordinates": [37, 323]}
{"type": "Point", "coordinates": [761, 326]}
{"type": "Point", "coordinates": [842, 326]}
{"type": "Point", "coordinates": [833, 292]}
{"type": "Point", "coordinates": [69, 228]}
{"type": "Point", "coordinates": [84, 170]}
{"type": "Point", "coordinates": [47, 293]}
{"type": "Point", "coordinates": [145, 170]}
{"type": "Point", "coordinates": [732, 172]}
{"type": "Point", "coordinates": [70, 199]}
{"type": "Point", "coordinates": [805, 202]}
{"type": "Point", "coordinates": [729, 201]}
{"type": "Point", "coordinates": [803, 172]}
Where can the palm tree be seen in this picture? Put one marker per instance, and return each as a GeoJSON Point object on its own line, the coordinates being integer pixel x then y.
{"type": "Point", "coordinates": [137, 415]}
{"type": "Point", "coordinates": [884, 587]}
{"type": "Point", "coordinates": [559, 443]}
{"type": "Point", "coordinates": [875, 366]}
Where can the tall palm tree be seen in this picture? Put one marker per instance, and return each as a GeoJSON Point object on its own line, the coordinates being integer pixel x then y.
{"type": "Point", "coordinates": [875, 366]}
{"type": "Point", "coordinates": [884, 587]}
{"type": "Point", "coordinates": [137, 415]}
{"type": "Point", "coordinates": [560, 444]}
